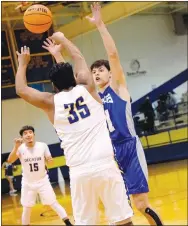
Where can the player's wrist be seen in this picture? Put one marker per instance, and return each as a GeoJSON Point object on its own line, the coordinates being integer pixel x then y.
{"type": "Point", "coordinates": [57, 54]}
{"type": "Point", "coordinates": [16, 147]}
{"type": "Point", "coordinates": [22, 65]}
{"type": "Point", "coordinates": [100, 25]}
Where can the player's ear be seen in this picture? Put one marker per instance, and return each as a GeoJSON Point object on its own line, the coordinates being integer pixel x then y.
{"type": "Point", "coordinates": [55, 89]}
{"type": "Point", "coordinates": [110, 74]}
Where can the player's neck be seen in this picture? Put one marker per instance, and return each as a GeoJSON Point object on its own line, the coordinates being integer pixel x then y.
{"type": "Point", "coordinates": [102, 89]}
{"type": "Point", "coordinates": [30, 145]}
{"type": "Point", "coordinates": [67, 90]}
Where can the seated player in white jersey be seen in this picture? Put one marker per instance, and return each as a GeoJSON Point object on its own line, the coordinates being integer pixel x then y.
{"type": "Point", "coordinates": [111, 83]}
{"type": "Point", "coordinates": [77, 114]}
{"type": "Point", "coordinates": [33, 156]}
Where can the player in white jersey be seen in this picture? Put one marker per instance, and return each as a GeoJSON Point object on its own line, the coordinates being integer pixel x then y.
{"type": "Point", "coordinates": [33, 157]}
{"type": "Point", "coordinates": [77, 114]}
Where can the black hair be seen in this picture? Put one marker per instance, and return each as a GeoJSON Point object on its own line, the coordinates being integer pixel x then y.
{"type": "Point", "coordinates": [24, 128]}
{"type": "Point", "coordinates": [62, 76]}
{"type": "Point", "coordinates": [100, 63]}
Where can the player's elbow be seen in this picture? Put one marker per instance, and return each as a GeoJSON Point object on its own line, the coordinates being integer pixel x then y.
{"type": "Point", "coordinates": [77, 56]}
{"type": "Point", "coordinates": [82, 77]}
{"type": "Point", "coordinates": [10, 160]}
{"type": "Point", "coordinates": [20, 91]}
{"type": "Point", "coordinates": [113, 54]}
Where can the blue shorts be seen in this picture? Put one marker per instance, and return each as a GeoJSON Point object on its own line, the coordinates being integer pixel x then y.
{"type": "Point", "coordinates": [131, 159]}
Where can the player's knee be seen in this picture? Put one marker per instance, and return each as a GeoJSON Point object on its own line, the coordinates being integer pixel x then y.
{"type": "Point", "coordinates": [141, 205]}
{"type": "Point", "coordinates": [141, 202]}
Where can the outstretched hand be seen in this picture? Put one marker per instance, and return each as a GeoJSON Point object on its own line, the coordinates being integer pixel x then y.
{"type": "Point", "coordinates": [18, 142]}
{"type": "Point", "coordinates": [96, 14]}
{"type": "Point", "coordinates": [52, 47]}
{"type": "Point", "coordinates": [23, 56]}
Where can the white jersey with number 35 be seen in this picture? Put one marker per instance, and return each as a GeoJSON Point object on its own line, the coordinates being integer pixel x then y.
{"type": "Point", "coordinates": [80, 123]}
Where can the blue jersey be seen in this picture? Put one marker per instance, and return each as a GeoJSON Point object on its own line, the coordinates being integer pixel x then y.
{"type": "Point", "coordinates": [119, 116]}
{"type": "Point", "coordinates": [128, 149]}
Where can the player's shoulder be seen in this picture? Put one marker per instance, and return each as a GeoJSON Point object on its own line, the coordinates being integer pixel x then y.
{"type": "Point", "coordinates": [41, 147]}
{"type": "Point", "coordinates": [122, 92]}
{"type": "Point", "coordinates": [22, 147]}
{"type": "Point", "coordinates": [110, 89]}
{"type": "Point", "coordinates": [79, 87]}
{"type": "Point", "coordinates": [81, 90]}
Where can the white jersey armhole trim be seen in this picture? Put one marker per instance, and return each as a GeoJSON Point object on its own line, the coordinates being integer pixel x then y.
{"type": "Point", "coordinates": [91, 95]}
{"type": "Point", "coordinates": [129, 118]}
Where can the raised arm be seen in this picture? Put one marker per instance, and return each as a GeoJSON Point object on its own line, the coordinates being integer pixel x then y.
{"type": "Point", "coordinates": [14, 155]}
{"type": "Point", "coordinates": [118, 81]}
{"type": "Point", "coordinates": [82, 72]}
{"type": "Point", "coordinates": [39, 99]}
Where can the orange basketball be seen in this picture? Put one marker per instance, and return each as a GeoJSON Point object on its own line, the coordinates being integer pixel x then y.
{"type": "Point", "coordinates": [37, 18]}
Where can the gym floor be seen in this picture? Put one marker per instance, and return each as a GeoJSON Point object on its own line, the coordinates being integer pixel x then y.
{"type": "Point", "coordinates": [168, 195]}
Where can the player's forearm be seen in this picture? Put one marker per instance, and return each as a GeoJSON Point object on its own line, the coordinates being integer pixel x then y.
{"type": "Point", "coordinates": [59, 58]}
{"type": "Point", "coordinates": [76, 55]}
{"type": "Point", "coordinates": [118, 77]}
{"type": "Point", "coordinates": [13, 155]}
{"type": "Point", "coordinates": [107, 40]}
{"type": "Point", "coordinates": [71, 48]}
{"type": "Point", "coordinates": [20, 80]}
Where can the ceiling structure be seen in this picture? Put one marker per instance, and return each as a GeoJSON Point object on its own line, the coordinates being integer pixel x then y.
{"type": "Point", "coordinates": [69, 16]}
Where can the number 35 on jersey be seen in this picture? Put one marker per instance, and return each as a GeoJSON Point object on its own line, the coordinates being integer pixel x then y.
{"type": "Point", "coordinates": [77, 110]}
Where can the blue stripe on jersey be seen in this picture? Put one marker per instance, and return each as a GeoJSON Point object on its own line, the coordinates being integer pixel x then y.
{"type": "Point", "coordinates": [119, 116]}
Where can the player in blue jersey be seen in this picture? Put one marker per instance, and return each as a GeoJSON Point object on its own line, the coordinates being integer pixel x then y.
{"type": "Point", "coordinates": [111, 82]}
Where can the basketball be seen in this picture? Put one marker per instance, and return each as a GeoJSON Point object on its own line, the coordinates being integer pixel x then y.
{"type": "Point", "coordinates": [37, 18]}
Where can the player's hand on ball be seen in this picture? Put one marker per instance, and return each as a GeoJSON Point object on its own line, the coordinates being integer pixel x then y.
{"type": "Point", "coordinates": [57, 37]}
{"type": "Point", "coordinates": [18, 142]}
{"type": "Point", "coordinates": [24, 56]}
{"type": "Point", "coordinates": [52, 47]}
{"type": "Point", "coordinates": [96, 14]}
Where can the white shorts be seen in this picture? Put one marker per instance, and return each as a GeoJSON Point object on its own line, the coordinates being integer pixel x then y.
{"type": "Point", "coordinates": [106, 185]}
{"type": "Point", "coordinates": [43, 188]}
